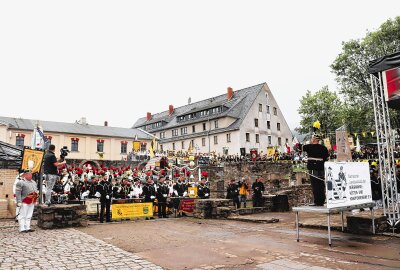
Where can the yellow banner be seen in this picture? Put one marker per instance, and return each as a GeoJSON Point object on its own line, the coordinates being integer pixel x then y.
{"type": "Point", "coordinates": [132, 210]}
{"type": "Point", "coordinates": [192, 192]}
{"type": "Point", "coordinates": [136, 146]}
{"type": "Point", "coordinates": [32, 160]}
{"type": "Point", "coordinates": [270, 151]}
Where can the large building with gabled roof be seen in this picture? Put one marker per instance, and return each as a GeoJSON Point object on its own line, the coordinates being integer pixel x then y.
{"type": "Point", "coordinates": [245, 119]}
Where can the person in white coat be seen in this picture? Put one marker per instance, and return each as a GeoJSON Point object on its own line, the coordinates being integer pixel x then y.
{"type": "Point", "coordinates": [26, 193]}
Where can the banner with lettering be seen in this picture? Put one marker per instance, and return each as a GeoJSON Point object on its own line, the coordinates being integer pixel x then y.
{"type": "Point", "coordinates": [347, 184]}
{"type": "Point", "coordinates": [131, 210]}
{"type": "Point", "coordinates": [186, 206]}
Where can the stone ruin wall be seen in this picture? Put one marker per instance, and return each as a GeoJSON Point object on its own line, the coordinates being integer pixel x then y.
{"type": "Point", "coordinates": [279, 179]}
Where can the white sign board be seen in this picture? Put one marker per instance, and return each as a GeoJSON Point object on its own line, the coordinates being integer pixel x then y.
{"type": "Point", "coordinates": [91, 206]}
{"type": "Point", "coordinates": [347, 184]}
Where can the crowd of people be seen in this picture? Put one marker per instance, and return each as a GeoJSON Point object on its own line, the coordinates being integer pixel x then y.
{"type": "Point", "coordinates": [162, 186]}
{"type": "Point", "coordinates": [111, 183]}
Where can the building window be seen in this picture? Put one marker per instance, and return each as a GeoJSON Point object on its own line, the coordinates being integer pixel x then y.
{"type": "Point", "coordinates": [268, 109]}
{"type": "Point", "coordinates": [279, 141]}
{"type": "Point", "coordinates": [100, 145]}
{"type": "Point", "coordinates": [215, 139]}
{"type": "Point", "coordinates": [161, 148]}
{"type": "Point", "coordinates": [20, 140]}
{"type": "Point", "coordinates": [215, 110]}
{"type": "Point", "coordinates": [173, 146]}
{"type": "Point", "coordinates": [183, 145]}
{"type": "Point", "coordinates": [203, 141]}
{"type": "Point", "coordinates": [278, 126]}
{"type": "Point", "coordinates": [75, 144]}
{"type": "Point", "coordinates": [269, 140]}
{"type": "Point", "coordinates": [204, 127]}
{"type": "Point", "coordinates": [162, 135]}
{"type": "Point", "coordinates": [183, 130]}
{"type": "Point", "coordinates": [174, 132]}
{"type": "Point", "coordinates": [228, 137]}
{"type": "Point", "coordinates": [268, 124]}
{"type": "Point", "coordinates": [194, 129]}
{"type": "Point", "coordinates": [48, 141]}
{"type": "Point", "coordinates": [216, 123]}
{"type": "Point", "coordinates": [260, 107]}
{"type": "Point", "coordinates": [257, 138]}
{"type": "Point", "coordinates": [287, 140]}
{"type": "Point", "coordinates": [143, 147]}
{"type": "Point", "coordinates": [255, 122]}
{"type": "Point", "coordinates": [275, 111]}
{"type": "Point", "coordinates": [247, 137]}
{"type": "Point", "coordinates": [124, 147]}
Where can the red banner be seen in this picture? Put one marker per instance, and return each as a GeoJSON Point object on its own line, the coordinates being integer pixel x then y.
{"type": "Point", "coordinates": [187, 206]}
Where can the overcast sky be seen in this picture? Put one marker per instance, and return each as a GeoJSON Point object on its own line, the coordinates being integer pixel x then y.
{"type": "Point", "coordinates": [117, 60]}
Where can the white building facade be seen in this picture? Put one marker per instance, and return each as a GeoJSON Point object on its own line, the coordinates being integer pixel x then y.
{"type": "Point", "coordinates": [245, 119]}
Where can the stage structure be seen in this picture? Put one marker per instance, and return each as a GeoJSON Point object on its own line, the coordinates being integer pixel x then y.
{"type": "Point", "coordinates": [386, 93]}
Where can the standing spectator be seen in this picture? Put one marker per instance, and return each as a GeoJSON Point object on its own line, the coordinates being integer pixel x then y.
{"type": "Point", "coordinates": [179, 190]}
{"type": "Point", "coordinates": [149, 192]}
{"type": "Point", "coordinates": [232, 193]}
{"type": "Point", "coordinates": [51, 166]}
{"type": "Point", "coordinates": [243, 191]}
{"type": "Point", "coordinates": [203, 190]}
{"type": "Point", "coordinates": [106, 192]}
{"type": "Point", "coordinates": [258, 190]}
{"type": "Point", "coordinates": [162, 195]}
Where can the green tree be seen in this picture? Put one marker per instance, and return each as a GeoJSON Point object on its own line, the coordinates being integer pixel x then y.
{"type": "Point", "coordinates": [351, 70]}
{"type": "Point", "coordinates": [324, 106]}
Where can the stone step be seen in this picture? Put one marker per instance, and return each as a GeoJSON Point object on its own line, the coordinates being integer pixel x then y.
{"type": "Point", "coordinates": [250, 210]}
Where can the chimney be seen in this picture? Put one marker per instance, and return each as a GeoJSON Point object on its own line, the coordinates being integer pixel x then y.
{"type": "Point", "coordinates": [171, 109]}
{"type": "Point", "coordinates": [148, 116]}
{"type": "Point", "coordinates": [230, 93]}
{"type": "Point", "coordinates": [82, 121]}
{"type": "Point", "coordinates": [106, 123]}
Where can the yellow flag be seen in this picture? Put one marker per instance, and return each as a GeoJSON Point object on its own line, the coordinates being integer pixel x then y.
{"type": "Point", "coordinates": [136, 146]}
{"type": "Point", "coordinates": [190, 149]}
{"type": "Point", "coordinates": [152, 147]}
{"type": "Point", "coordinates": [270, 151]}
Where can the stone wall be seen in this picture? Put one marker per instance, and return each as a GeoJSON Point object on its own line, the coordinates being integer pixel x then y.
{"type": "Point", "coordinates": [61, 216]}
{"type": "Point", "coordinates": [217, 182]}
{"type": "Point", "coordinates": [277, 176]}
{"type": "Point", "coordinates": [212, 208]}
{"type": "Point", "coordinates": [298, 195]}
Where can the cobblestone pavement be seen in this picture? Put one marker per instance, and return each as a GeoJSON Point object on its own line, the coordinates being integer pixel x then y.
{"type": "Point", "coordinates": [62, 250]}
